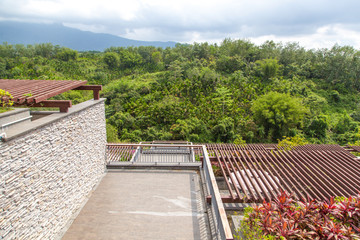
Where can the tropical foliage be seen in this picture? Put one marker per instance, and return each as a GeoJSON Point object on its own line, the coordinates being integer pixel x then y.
{"type": "Point", "coordinates": [209, 93]}
{"type": "Point", "coordinates": [287, 218]}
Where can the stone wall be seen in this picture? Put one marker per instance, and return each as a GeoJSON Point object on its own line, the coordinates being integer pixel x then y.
{"type": "Point", "coordinates": [48, 169]}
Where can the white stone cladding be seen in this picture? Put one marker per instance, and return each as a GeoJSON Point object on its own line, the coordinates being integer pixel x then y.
{"type": "Point", "coordinates": [47, 174]}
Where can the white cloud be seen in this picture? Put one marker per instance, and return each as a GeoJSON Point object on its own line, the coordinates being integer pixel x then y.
{"type": "Point", "coordinates": [324, 37]}
{"type": "Point", "coordinates": [96, 28]}
{"type": "Point", "coordinates": [312, 23]}
{"type": "Point", "coordinates": [81, 10]}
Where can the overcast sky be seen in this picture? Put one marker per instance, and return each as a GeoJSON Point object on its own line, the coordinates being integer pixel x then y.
{"type": "Point", "coordinates": [314, 24]}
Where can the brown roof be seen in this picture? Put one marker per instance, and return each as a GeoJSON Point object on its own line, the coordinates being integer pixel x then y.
{"type": "Point", "coordinates": [258, 172]}
{"type": "Point", "coordinates": [255, 172]}
{"type": "Point", "coordinates": [34, 93]}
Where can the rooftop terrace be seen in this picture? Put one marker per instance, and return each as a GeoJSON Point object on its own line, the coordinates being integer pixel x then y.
{"type": "Point", "coordinates": [159, 190]}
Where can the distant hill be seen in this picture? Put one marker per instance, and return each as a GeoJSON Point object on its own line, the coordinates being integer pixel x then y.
{"type": "Point", "coordinates": [57, 34]}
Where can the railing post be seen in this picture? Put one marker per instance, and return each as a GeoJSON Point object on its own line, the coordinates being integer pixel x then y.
{"type": "Point", "coordinates": [136, 155]}
{"type": "Point", "coordinates": [192, 154]}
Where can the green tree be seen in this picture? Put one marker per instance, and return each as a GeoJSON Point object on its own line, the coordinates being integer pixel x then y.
{"type": "Point", "coordinates": [122, 121]}
{"type": "Point", "coordinates": [317, 127]}
{"type": "Point", "coordinates": [201, 50]}
{"type": "Point", "coordinates": [278, 113]}
{"type": "Point", "coordinates": [345, 124]}
{"type": "Point", "coordinates": [176, 69]}
{"type": "Point", "coordinates": [222, 99]}
{"type": "Point", "coordinates": [111, 133]}
{"type": "Point", "coordinates": [224, 130]}
{"type": "Point", "coordinates": [289, 143]}
{"type": "Point", "coordinates": [111, 59]}
{"type": "Point", "coordinates": [156, 57]}
{"type": "Point", "coordinates": [67, 54]}
{"type": "Point", "coordinates": [268, 68]}
{"type": "Point", "coordinates": [229, 64]}
{"type": "Point", "coordinates": [315, 102]}
{"type": "Point", "coordinates": [46, 50]}
{"type": "Point", "coordinates": [3, 70]}
{"type": "Point", "coordinates": [129, 59]}
{"type": "Point", "coordinates": [191, 129]}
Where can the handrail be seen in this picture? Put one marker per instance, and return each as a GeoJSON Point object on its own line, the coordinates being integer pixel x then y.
{"type": "Point", "coordinates": [170, 153]}
{"type": "Point", "coordinates": [223, 226]}
{"type": "Point", "coordinates": [16, 121]}
{"type": "Point", "coordinates": [154, 145]}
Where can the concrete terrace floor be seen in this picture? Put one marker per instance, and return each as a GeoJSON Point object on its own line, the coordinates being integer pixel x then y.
{"type": "Point", "coordinates": [144, 204]}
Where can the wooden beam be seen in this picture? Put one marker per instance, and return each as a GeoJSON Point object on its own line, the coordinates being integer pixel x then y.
{"type": "Point", "coordinates": [54, 88]}
{"type": "Point", "coordinates": [229, 199]}
{"type": "Point", "coordinates": [212, 159]}
{"type": "Point", "coordinates": [63, 105]}
{"type": "Point", "coordinates": [95, 88]}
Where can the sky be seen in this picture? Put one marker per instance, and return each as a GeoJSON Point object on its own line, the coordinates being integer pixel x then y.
{"type": "Point", "coordinates": [313, 24]}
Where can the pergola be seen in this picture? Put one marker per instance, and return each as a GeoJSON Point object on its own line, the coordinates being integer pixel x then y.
{"type": "Point", "coordinates": [35, 93]}
{"type": "Point", "coordinates": [257, 172]}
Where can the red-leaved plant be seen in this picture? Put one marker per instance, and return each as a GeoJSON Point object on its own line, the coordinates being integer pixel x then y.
{"type": "Point", "coordinates": [286, 218]}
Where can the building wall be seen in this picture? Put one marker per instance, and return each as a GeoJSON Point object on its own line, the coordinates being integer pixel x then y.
{"type": "Point", "coordinates": [47, 171]}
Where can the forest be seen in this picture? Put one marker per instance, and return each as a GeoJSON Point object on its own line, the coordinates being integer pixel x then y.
{"type": "Point", "coordinates": [235, 91]}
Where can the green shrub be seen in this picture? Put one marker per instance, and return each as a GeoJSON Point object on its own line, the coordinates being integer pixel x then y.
{"type": "Point", "coordinates": [5, 101]}
{"type": "Point", "coordinates": [288, 143]}
{"type": "Point", "coordinates": [287, 218]}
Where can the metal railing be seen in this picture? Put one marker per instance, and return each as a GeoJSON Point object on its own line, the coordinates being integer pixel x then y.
{"type": "Point", "coordinates": [136, 154]}
{"type": "Point", "coordinates": [120, 152]}
{"type": "Point", "coordinates": [177, 153]}
{"type": "Point", "coordinates": [154, 153]}
{"type": "Point", "coordinates": [222, 224]}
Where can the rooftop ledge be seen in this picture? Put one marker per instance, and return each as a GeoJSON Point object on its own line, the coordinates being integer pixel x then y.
{"type": "Point", "coordinates": [33, 125]}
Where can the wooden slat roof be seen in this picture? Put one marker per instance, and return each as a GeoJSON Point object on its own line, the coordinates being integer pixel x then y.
{"type": "Point", "coordinates": [25, 92]}
{"type": "Point", "coordinates": [257, 172]}
{"type": "Point", "coordinates": [261, 171]}
{"type": "Point", "coordinates": [354, 148]}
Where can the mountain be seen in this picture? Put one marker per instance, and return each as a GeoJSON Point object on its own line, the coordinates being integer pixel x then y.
{"type": "Point", "coordinates": [57, 34]}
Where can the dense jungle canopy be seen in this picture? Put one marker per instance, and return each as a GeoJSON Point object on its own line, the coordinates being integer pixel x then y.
{"type": "Point", "coordinates": [234, 91]}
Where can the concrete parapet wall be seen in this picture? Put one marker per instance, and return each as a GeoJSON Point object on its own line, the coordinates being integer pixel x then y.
{"type": "Point", "coordinates": [47, 170]}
